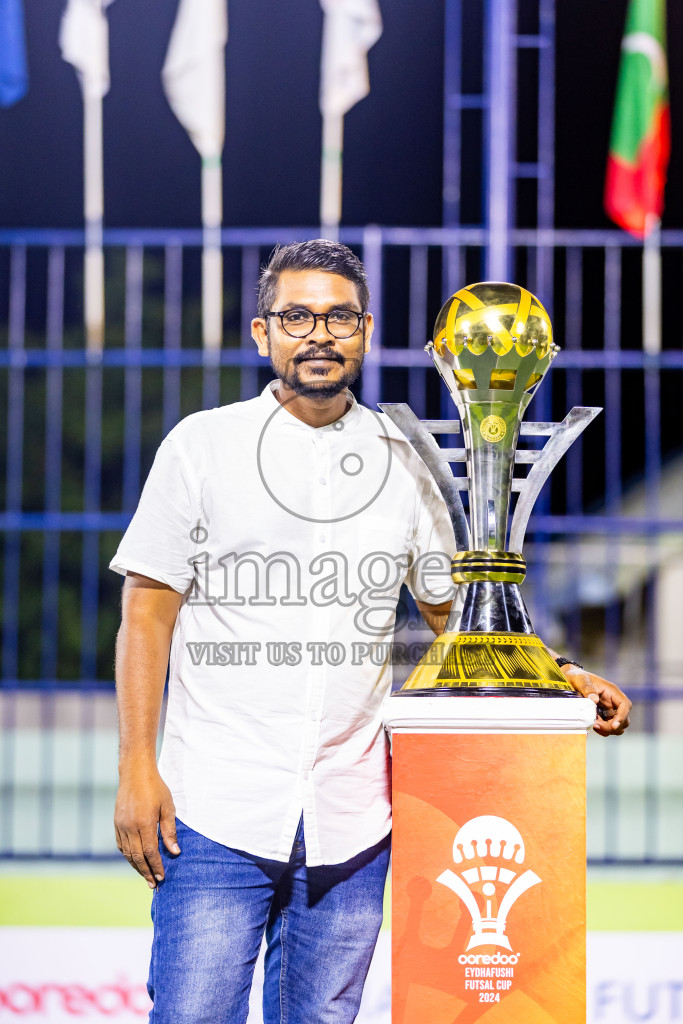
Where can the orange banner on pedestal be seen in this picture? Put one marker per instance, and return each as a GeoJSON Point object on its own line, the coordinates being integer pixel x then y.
{"type": "Point", "coordinates": [489, 879]}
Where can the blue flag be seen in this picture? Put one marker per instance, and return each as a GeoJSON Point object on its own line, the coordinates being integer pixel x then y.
{"type": "Point", "coordinates": [13, 69]}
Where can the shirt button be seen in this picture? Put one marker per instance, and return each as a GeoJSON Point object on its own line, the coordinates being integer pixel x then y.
{"type": "Point", "coordinates": [322, 538]}
{"type": "Point", "coordinates": [323, 481]}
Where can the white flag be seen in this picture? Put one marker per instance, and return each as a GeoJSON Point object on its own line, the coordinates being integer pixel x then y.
{"type": "Point", "coordinates": [351, 27]}
{"type": "Point", "coordinates": [84, 42]}
{"type": "Point", "coordinates": [194, 72]}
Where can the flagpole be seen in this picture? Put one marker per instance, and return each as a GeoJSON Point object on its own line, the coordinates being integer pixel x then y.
{"type": "Point", "coordinates": [94, 213]}
{"type": "Point", "coordinates": [212, 258]}
{"type": "Point", "coordinates": [331, 175]}
{"type": "Point", "coordinates": [652, 287]}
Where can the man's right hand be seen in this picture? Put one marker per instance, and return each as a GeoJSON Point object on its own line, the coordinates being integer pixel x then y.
{"type": "Point", "coordinates": [144, 802]}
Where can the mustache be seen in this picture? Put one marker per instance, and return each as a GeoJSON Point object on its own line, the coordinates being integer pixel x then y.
{"type": "Point", "coordinates": [325, 353]}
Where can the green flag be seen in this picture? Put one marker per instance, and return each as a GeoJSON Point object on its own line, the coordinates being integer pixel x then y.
{"type": "Point", "coordinates": [641, 135]}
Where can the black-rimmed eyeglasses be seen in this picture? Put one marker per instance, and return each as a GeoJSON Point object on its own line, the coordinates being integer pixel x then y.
{"type": "Point", "coordinates": [300, 322]}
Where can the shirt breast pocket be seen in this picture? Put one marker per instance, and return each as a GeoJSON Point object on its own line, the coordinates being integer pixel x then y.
{"type": "Point", "coordinates": [385, 549]}
{"type": "Point", "coordinates": [385, 554]}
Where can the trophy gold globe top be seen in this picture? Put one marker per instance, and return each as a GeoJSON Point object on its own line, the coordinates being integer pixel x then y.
{"type": "Point", "coordinates": [493, 344]}
{"type": "Point", "coordinates": [494, 336]}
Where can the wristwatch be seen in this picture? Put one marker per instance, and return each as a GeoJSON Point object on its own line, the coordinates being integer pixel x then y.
{"type": "Point", "coordinates": [567, 661]}
{"type": "Point", "coordinates": [602, 712]}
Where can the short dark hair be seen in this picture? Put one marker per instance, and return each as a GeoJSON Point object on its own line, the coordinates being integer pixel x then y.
{"type": "Point", "coordinates": [317, 254]}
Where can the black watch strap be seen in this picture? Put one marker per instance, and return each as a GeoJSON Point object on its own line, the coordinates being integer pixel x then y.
{"type": "Point", "coordinates": [567, 661]}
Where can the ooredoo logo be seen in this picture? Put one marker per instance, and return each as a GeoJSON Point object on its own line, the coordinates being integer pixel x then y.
{"type": "Point", "coordinates": [120, 999]}
{"type": "Point", "coordinates": [488, 885]}
{"type": "Point", "coordinates": [482, 959]}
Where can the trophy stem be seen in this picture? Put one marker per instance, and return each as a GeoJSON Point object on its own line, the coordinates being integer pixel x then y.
{"type": "Point", "coordinates": [495, 608]}
{"type": "Point", "coordinates": [491, 431]}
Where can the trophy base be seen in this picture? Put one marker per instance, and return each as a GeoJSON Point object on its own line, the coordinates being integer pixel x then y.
{"type": "Point", "coordinates": [487, 665]}
{"type": "Point", "coordinates": [484, 691]}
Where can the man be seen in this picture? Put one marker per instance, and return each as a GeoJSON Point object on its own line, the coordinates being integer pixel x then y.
{"type": "Point", "coordinates": [268, 552]}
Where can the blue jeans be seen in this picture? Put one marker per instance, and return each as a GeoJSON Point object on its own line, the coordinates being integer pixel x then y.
{"type": "Point", "coordinates": [213, 908]}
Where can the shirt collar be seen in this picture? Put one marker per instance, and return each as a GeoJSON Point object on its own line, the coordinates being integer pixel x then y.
{"type": "Point", "coordinates": [352, 417]}
{"type": "Point", "coordinates": [375, 421]}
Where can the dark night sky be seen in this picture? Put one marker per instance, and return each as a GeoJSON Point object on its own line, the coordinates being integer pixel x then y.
{"type": "Point", "coordinates": [393, 138]}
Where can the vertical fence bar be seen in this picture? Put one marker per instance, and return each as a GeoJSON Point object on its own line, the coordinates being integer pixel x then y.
{"type": "Point", "coordinates": [173, 314]}
{"type": "Point", "coordinates": [13, 501]}
{"type": "Point", "coordinates": [653, 473]}
{"type": "Point", "coordinates": [211, 377]}
{"type": "Point", "coordinates": [574, 457]}
{"type": "Point", "coordinates": [613, 496]}
{"type": "Point", "coordinates": [542, 406]}
{"type": "Point", "coordinates": [453, 275]}
{"type": "Point", "coordinates": [417, 320]}
{"type": "Point", "coordinates": [52, 542]}
{"type": "Point", "coordinates": [89, 600]}
{"type": "Point", "coordinates": [546, 115]}
{"type": "Point", "coordinates": [371, 386]}
{"type": "Point", "coordinates": [500, 25]}
{"type": "Point", "coordinates": [250, 273]}
{"type": "Point", "coordinates": [613, 487]}
{"type": "Point", "coordinates": [651, 829]}
{"type": "Point", "coordinates": [132, 378]}
{"type": "Point", "coordinates": [452, 117]}
{"type": "Point", "coordinates": [451, 270]}
{"type": "Point", "coordinates": [53, 460]}
{"type": "Point", "coordinates": [545, 198]}
{"type": "Point", "coordinates": [15, 453]}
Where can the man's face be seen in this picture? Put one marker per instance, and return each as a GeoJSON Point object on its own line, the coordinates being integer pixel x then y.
{"type": "Point", "coordinates": [319, 365]}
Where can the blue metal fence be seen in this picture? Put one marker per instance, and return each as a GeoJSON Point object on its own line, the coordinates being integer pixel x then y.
{"type": "Point", "coordinates": [79, 435]}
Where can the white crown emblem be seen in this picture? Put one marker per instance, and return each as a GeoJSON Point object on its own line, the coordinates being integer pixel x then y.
{"type": "Point", "coordinates": [488, 838]}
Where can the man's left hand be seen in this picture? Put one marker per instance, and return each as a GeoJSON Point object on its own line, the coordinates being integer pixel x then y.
{"type": "Point", "coordinates": [613, 705]}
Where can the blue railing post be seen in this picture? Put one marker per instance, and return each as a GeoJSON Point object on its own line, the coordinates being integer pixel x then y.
{"type": "Point", "coordinates": [500, 29]}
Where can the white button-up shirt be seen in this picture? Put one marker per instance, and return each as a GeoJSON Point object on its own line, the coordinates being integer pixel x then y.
{"type": "Point", "coordinates": [289, 544]}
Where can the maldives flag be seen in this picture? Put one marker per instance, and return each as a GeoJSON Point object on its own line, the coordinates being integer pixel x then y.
{"type": "Point", "coordinates": [641, 135]}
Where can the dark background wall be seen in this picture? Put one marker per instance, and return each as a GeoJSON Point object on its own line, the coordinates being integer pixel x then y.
{"type": "Point", "coordinates": [272, 157]}
{"type": "Point", "coordinates": [393, 138]}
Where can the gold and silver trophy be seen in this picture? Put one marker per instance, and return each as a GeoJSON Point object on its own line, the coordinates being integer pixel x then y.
{"type": "Point", "coordinates": [493, 344]}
